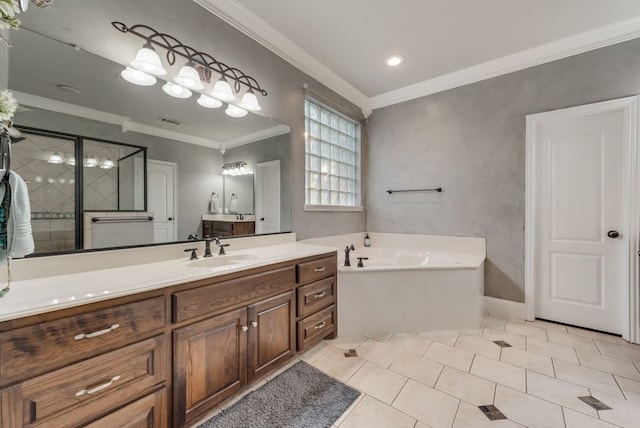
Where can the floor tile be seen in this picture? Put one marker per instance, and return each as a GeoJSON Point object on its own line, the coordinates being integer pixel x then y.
{"type": "Point", "coordinates": [314, 353]}
{"type": "Point", "coordinates": [526, 330]}
{"type": "Point", "coordinates": [378, 352]}
{"type": "Point", "coordinates": [371, 413]}
{"type": "Point", "coordinates": [624, 413]}
{"type": "Point", "coordinates": [496, 371]}
{"type": "Point", "coordinates": [630, 388]}
{"type": "Point", "coordinates": [578, 342]}
{"type": "Point", "coordinates": [378, 382]}
{"type": "Point", "coordinates": [348, 411]}
{"type": "Point", "coordinates": [450, 356]}
{"type": "Point", "coordinates": [528, 360]}
{"type": "Point", "coordinates": [383, 337]}
{"type": "Point", "coordinates": [619, 351]}
{"type": "Point", "coordinates": [427, 405]}
{"type": "Point", "coordinates": [560, 392]}
{"type": "Point", "coordinates": [410, 343]}
{"type": "Point", "coordinates": [527, 410]}
{"type": "Point", "coordinates": [608, 364]}
{"type": "Point", "coordinates": [575, 419]}
{"type": "Point", "coordinates": [593, 334]}
{"type": "Point", "coordinates": [417, 368]}
{"type": "Point", "coordinates": [347, 342]}
{"type": "Point", "coordinates": [492, 322]}
{"type": "Point", "coordinates": [470, 416]}
{"type": "Point", "coordinates": [553, 350]}
{"type": "Point", "coordinates": [448, 337]}
{"type": "Point", "coordinates": [479, 346]}
{"type": "Point", "coordinates": [334, 363]}
{"type": "Point", "coordinates": [469, 388]}
{"type": "Point", "coordinates": [513, 339]}
{"type": "Point", "coordinates": [477, 332]}
{"type": "Point", "coordinates": [585, 376]}
{"type": "Point", "coordinates": [421, 425]}
{"type": "Point", "coordinates": [547, 325]}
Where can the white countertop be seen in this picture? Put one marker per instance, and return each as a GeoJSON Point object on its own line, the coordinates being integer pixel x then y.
{"type": "Point", "coordinates": [40, 295]}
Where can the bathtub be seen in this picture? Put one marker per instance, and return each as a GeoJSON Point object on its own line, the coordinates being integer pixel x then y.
{"type": "Point", "coordinates": [409, 283]}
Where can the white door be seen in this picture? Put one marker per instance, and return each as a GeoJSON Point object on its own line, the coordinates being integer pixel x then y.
{"type": "Point", "coordinates": [161, 185]}
{"type": "Point", "coordinates": [581, 252]}
{"type": "Point", "coordinates": [268, 197]}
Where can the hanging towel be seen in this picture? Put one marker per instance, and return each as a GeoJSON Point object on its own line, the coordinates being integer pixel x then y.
{"type": "Point", "coordinates": [215, 203]}
{"type": "Point", "coordinates": [233, 204]}
{"type": "Point", "coordinates": [19, 235]}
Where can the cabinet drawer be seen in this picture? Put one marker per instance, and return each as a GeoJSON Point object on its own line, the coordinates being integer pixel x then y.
{"type": "Point", "coordinates": [70, 395]}
{"type": "Point", "coordinates": [226, 295]}
{"type": "Point", "coordinates": [222, 226]}
{"type": "Point", "coordinates": [317, 269]}
{"type": "Point", "coordinates": [38, 348]}
{"type": "Point", "coordinates": [148, 412]}
{"type": "Point", "coordinates": [316, 295]}
{"type": "Point", "coordinates": [312, 329]}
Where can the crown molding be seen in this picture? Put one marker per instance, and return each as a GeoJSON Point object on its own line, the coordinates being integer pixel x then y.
{"type": "Point", "coordinates": [243, 19]}
{"type": "Point", "coordinates": [559, 49]}
{"type": "Point", "coordinates": [258, 136]}
{"type": "Point", "coordinates": [125, 122]}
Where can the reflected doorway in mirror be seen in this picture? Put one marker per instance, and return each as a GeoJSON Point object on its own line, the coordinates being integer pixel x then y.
{"type": "Point", "coordinates": [161, 199]}
{"type": "Point", "coordinates": [268, 196]}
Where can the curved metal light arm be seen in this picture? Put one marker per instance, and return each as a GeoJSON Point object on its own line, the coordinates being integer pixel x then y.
{"type": "Point", "coordinates": [175, 47]}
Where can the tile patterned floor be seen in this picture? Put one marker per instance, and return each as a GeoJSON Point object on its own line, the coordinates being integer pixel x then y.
{"type": "Point", "coordinates": [438, 379]}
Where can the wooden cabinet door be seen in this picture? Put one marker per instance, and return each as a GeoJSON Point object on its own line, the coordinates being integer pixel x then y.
{"type": "Point", "coordinates": [271, 333]}
{"type": "Point", "coordinates": [210, 364]}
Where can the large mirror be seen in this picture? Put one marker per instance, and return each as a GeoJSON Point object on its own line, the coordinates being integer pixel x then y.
{"type": "Point", "coordinates": [78, 91]}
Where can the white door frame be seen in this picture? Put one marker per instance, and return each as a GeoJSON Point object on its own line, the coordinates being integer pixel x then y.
{"type": "Point", "coordinates": [175, 192]}
{"type": "Point", "coordinates": [630, 209]}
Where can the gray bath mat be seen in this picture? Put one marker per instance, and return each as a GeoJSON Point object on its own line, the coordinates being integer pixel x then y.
{"type": "Point", "coordinates": [300, 397]}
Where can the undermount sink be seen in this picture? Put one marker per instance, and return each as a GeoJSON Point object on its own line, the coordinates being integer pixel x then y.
{"type": "Point", "coordinates": [218, 261]}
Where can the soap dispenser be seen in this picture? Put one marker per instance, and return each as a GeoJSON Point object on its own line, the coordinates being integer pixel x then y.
{"type": "Point", "coordinates": [367, 240]}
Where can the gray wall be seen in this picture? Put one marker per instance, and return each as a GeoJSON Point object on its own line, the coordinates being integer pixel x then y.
{"type": "Point", "coordinates": [198, 167]}
{"type": "Point", "coordinates": [266, 150]}
{"type": "Point", "coordinates": [471, 141]}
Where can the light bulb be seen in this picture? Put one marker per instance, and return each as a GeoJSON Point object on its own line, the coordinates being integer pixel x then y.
{"type": "Point", "coordinates": [188, 77]}
{"type": "Point", "coordinates": [71, 161]}
{"type": "Point", "coordinates": [91, 162]}
{"type": "Point", "coordinates": [394, 60]}
{"type": "Point", "coordinates": [55, 158]}
{"type": "Point", "coordinates": [235, 111]}
{"type": "Point", "coordinates": [222, 91]}
{"type": "Point", "coordinates": [176, 90]}
{"type": "Point", "coordinates": [208, 102]}
{"type": "Point", "coordinates": [107, 164]}
{"type": "Point", "coordinates": [147, 60]}
{"type": "Point", "coordinates": [138, 77]}
{"type": "Point", "coordinates": [250, 102]}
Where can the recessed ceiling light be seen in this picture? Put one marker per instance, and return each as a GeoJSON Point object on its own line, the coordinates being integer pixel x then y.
{"type": "Point", "coordinates": [394, 60]}
{"type": "Point", "coordinates": [67, 88]}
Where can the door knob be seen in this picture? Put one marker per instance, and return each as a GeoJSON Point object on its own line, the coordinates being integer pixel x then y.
{"type": "Point", "coordinates": [170, 219]}
{"type": "Point", "coordinates": [261, 218]}
{"type": "Point", "coordinates": [613, 234]}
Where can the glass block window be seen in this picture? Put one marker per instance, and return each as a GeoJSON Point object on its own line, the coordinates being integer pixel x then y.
{"type": "Point", "coordinates": [332, 158]}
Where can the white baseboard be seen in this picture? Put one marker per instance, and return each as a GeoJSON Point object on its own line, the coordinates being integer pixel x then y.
{"type": "Point", "coordinates": [505, 309]}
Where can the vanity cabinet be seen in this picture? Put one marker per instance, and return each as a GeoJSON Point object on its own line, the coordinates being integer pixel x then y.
{"type": "Point", "coordinates": [213, 228]}
{"type": "Point", "coordinates": [164, 357]}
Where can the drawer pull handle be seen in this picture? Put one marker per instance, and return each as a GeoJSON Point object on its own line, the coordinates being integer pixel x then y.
{"type": "Point", "coordinates": [97, 333]}
{"type": "Point", "coordinates": [98, 388]}
{"type": "Point", "coordinates": [319, 326]}
{"type": "Point", "coordinates": [244, 328]}
{"type": "Point", "coordinates": [320, 269]}
{"type": "Point", "coordinates": [320, 295]}
{"type": "Point", "coordinates": [254, 323]}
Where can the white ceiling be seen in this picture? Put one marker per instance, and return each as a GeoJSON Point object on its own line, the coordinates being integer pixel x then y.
{"type": "Point", "coordinates": [438, 38]}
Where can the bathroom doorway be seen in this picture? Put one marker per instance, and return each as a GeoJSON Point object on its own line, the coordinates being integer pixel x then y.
{"type": "Point", "coordinates": [581, 198]}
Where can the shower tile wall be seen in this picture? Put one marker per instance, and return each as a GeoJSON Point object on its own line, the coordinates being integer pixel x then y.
{"type": "Point", "coordinates": [100, 189]}
{"type": "Point", "coordinates": [51, 190]}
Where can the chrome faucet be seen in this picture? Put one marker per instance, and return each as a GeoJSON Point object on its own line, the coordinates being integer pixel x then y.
{"type": "Point", "coordinates": [347, 250]}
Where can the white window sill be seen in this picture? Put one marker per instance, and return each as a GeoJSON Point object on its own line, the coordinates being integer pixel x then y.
{"type": "Point", "coordinates": [332, 208]}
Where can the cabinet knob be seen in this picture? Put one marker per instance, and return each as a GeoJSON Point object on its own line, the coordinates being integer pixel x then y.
{"type": "Point", "coordinates": [254, 323]}
{"type": "Point", "coordinates": [244, 328]}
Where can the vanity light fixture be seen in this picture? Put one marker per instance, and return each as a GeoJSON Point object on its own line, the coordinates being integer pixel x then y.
{"type": "Point", "coordinates": [138, 77]}
{"type": "Point", "coordinates": [176, 90]}
{"type": "Point", "coordinates": [236, 168]}
{"type": "Point", "coordinates": [198, 72]}
{"type": "Point", "coordinates": [209, 102]}
{"type": "Point", "coordinates": [71, 161]}
{"type": "Point", "coordinates": [91, 162]}
{"type": "Point", "coordinates": [107, 164]}
{"type": "Point", "coordinates": [55, 158]}
{"type": "Point", "coordinates": [394, 60]}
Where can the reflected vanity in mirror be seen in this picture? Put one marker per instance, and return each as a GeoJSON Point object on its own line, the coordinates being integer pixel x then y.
{"type": "Point", "coordinates": [174, 156]}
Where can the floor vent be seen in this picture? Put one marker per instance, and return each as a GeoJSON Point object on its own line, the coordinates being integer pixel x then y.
{"type": "Point", "coordinates": [351, 353]}
{"type": "Point", "coordinates": [594, 402]}
{"type": "Point", "coordinates": [492, 412]}
{"type": "Point", "coordinates": [502, 343]}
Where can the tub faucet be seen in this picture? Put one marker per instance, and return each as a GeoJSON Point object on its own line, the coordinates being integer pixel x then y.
{"type": "Point", "coordinates": [360, 259]}
{"type": "Point", "coordinates": [347, 250]}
